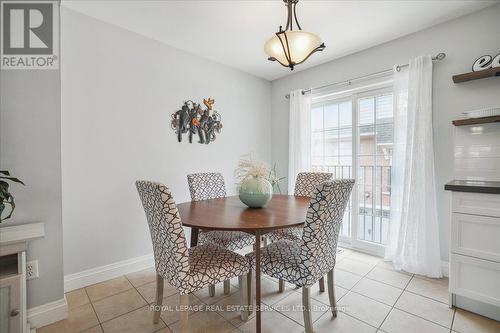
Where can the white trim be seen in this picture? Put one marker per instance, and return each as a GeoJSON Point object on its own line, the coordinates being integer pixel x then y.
{"type": "Point", "coordinates": [48, 313]}
{"type": "Point", "coordinates": [377, 251]}
{"type": "Point", "coordinates": [377, 87]}
{"type": "Point", "coordinates": [106, 272]}
{"type": "Point", "coordinates": [21, 233]}
{"type": "Point", "coordinates": [30, 329]}
{"type": "Point", "coordinates": [350, 90]}
{"type": "Point", "coordinates": [445, 265]}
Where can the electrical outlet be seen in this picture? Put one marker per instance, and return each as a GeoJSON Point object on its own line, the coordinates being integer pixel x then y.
{"type": "Point", "coordinates": [32, 269]}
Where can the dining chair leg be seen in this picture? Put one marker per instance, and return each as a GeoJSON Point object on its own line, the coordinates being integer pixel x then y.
{"type": "Point", "coordinates": [184, 312]}
{"type": "Point", "coordinates": [211, 290]}
{"type": "Point", "coordinates": [159, 298]}
{"type": "Point", "coordinates": [249, 292]}
{"type": "Point", "coordinates": [227, 287]}
{"type": "Point", "coordinates": [322, 284]}
{"type": "Point", "coordinates": [264, 238]}
{"type": "Point", "coordinates": [242, 282]}
{"type": "Point", "coordinates": [281, 285]}
{"type": "Point", "coordinates": [306, 304]}
{"type": "Point", "coordinates": [331, 293]}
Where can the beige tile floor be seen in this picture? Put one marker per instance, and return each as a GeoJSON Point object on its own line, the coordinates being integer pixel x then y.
{"type": "Point", "coordinates": [372, 298]}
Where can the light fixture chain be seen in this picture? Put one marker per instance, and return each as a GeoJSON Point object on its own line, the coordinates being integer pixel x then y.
{"type": "Point", "coordinates": [289, 15]}
{"type": "Point", "coordinates": [295, 15]}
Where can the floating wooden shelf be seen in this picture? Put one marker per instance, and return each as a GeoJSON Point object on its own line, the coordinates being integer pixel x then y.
{"type": "Point", "coordinates": [476, 75]}
{"type": "Point", "coordinates": [476, 121]}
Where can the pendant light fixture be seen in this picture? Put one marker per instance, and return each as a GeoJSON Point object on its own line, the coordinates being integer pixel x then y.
{"type": "Point", "coordinates": [292, 47]}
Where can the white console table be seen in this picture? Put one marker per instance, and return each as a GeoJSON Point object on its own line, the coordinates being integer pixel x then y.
{"type": "Point", "coordinates": [13, 246]}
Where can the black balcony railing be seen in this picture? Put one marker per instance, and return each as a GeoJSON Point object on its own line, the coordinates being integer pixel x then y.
{"type": "Point", "coordinates": [374, 200]}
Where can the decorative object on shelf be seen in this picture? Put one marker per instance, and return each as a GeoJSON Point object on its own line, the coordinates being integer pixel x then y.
{"type": "Point", "coordinates": [292, 47]}
{"type": "Point", "coordinates": [486, 62]}
{"type": "Point", "coordinates": [194, 120]}
{"type": "Point", "coordinates": [5, 196]}
{"type": "Point", "coordinates": [484, 67]}
{"type": "Point", "coordinates": [485, 112]}
{"type": "Point", "coordinates": [495, 71]}
{"type": "Point", "coordinates": [256, 181]}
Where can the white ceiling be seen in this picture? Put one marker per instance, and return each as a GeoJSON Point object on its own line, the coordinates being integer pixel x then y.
{"type": "Point", "coordinates": [234, 32]}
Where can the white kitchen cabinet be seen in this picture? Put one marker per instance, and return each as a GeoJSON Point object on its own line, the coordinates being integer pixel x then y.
{"type": "Point", "coordinates": [12, 292]}
{"type": "Point", "coordinates": [475, 247]}
{"type": "Point", "coordinates": [476, 236]}
{"type": "Point", "coordinates": [475, 279]}
{"type": "Point", "coordinates": [484, 204]}
{"type": "Point", "coordinates": [13, 246]}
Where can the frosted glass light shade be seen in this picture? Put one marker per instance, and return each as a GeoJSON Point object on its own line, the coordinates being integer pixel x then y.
{"type": "Point", "coordinates": [300, 43]}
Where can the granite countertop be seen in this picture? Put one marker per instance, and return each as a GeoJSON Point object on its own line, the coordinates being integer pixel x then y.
{"type": "Point", "coordinates": [475, 186]}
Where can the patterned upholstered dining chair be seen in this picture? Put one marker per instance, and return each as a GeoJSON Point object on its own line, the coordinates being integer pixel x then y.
{"type": "Point", "coordinates": [187, 270]}
{"type": "Point", "coordinates": [210, 185]}
{"type": "Point", "coordinates": [304, 263]}
{"type": "Point", "coordinates": [305, 184]}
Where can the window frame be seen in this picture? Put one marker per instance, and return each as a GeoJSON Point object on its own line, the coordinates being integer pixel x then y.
{"type": "Point", "coordinates": [354, 96]}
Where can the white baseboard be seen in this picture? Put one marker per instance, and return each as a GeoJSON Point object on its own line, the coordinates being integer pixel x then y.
{"type": "Point", "coordinates": [48, 313]}
{"type": "Point", "coordinates": [106, 272]}
{"type": "Point", "coordinates": [445, 265]}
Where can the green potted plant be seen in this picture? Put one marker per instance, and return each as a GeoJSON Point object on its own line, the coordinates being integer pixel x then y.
{"type": "Point", "coordinates": [6, 198]}
{"type": "Point", "coordinates": [275, 180]}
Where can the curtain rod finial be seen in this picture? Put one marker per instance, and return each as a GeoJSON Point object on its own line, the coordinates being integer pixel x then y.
{"type": "Point", "coordinates": [441, 56]}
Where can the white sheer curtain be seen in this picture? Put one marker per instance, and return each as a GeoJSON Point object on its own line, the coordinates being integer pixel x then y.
{"type": "Point", "coordinates": [414, 231]}
{"type": "Point", "coordinates": [299, 137]}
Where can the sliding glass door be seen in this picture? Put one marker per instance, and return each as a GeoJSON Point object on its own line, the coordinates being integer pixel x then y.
{"type": "Point", "coordinates": [352, 138]}
{"type": "Point", "coordinates": [332, 151]}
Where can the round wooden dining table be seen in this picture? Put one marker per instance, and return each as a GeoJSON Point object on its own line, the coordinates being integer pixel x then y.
{"type": "Point", "coordinates": [230, 214]}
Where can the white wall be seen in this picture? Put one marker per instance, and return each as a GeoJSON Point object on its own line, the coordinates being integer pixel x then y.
{"type": "Point", "coordinates": [119, 90]}
{"type": "Point", "coordinates": [463, 40]}
{"type": "Point", "coordinates": [477, 152]}
{"type": "Point", "coordinates": [30, 147]}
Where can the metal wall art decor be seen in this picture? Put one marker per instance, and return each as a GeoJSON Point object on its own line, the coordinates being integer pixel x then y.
{"type": "Point", "coordinates": [194, 120]}
{"type": "Point", "coordinates": [486, 62]}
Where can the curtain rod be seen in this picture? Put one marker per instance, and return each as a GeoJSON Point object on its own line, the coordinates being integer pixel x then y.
{"type": "Point", "coordinates": [438, 57]}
